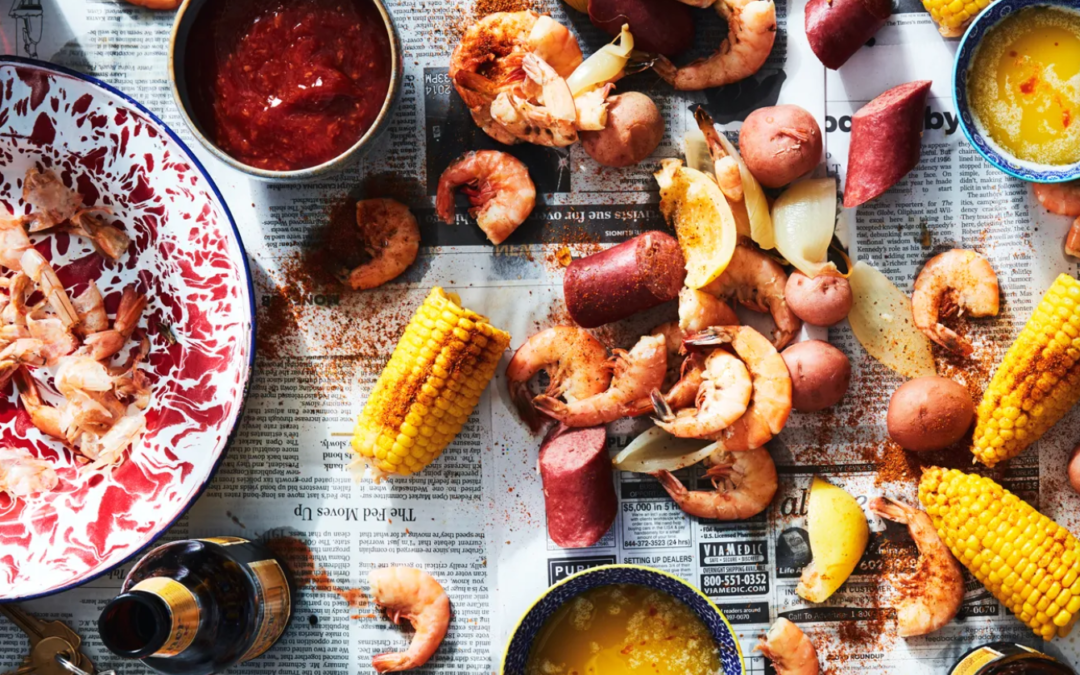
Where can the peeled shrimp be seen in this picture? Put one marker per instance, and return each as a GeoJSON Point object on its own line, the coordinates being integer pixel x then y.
{"type": "Point", "coordinates": [23, 475]}
{"type": "Point", "coordinates": [637, 373]}
{"type": "Point", "coordinates": [728, 176]}
{"type": "Point", "coordinates": [757, 282]}
{"type": "Point", "coordinates": [488, 60]}
{"type": "Point", "coordinates": [751, 33]}
{"type": "Point", "coordinates": [791, 652]}
{"type": "Point", "coordinates": [392, 239]}
{"type": "Point", "coordinates": [721, 399]}
{"type": "Point", "coordinates": [552, 120]}
{"type": "Point", "coordinates": [108, 241]}
{"type": "Point", "coordinates": [1064, 200]}
{"type": "Point", "coordinates": [931, 595]}
{"type": "Point", "coordinates": [498, 187]}
{"type": "Point", "coordinates": [53, 202]}
{"type": "Point", "coordinates": [414, 595]}
{"type": "Point", "coordinates": [770, 402]}
{"type": "Point", "coordinates": [744, 485]}
{"type": "Point", "coordinates": [954, 282]}
{"type": "Point", "coordinates": [575, 361]}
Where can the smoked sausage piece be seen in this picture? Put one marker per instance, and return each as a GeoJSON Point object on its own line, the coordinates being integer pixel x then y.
{"type": "Point", "coordinates": [634, 276]}
{"type": "Point", "coordinates": [579, 493]}
{"type": "Point", "coordinates": [886, 139]}
{"type": "Point", "coordinates": [837, 28]}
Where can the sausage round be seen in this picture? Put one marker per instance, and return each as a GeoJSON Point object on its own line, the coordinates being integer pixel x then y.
{"type": "Point", "coordinates": [886, 140]}
{"type": "Point", "coordinates": [634, 276]}
{"type": "Point", "coordinates": [579, 494]}
{"type": "Point", "coordinates": [837, 28]}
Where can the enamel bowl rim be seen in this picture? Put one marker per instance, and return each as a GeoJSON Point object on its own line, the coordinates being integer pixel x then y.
{"type": "Point", "coordinates": [342, 161]}
{"type": "Point", "coordinates": [987, 19]}
{"type": "Point", "coordinates": [592, 571]}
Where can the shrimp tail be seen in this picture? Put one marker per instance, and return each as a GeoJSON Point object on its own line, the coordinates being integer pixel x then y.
{"type": "Point", "coordinates": [550, 406]}
{"type": "Point", "coordinates": [391, 662]}
{"type": "Point", "coordinates": [672, 485]}
{"type": "Point", "coordinates": [522, 399]}
{"type": "Point", "coordinates": [661, 407]}
{"type": "Point", "coordinates": [663, 67]}
{"type": "Point", "coordinates": [711, 337]}
{"type": "Point", "coordinates": [890, 509]}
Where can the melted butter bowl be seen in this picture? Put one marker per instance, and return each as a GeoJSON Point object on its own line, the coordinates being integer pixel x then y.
{"type": "Point", "coordinates": [185, 37]}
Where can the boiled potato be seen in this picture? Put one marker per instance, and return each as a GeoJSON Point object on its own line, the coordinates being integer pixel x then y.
{"type": "Point", "coordinates": [661, 26]}
{"type": "Point", "coordinates": [929, 413]}
{"type": "Point", "coordinates": [820, 375]}
{"type": "Point", "coordinates": [838, 537]}
{"type": "Point", "coordinates": [634, 129]}
{"type": "Point", "coordinates": [780, 143]}
{"type": "Point", "coordinates": [824, 300]}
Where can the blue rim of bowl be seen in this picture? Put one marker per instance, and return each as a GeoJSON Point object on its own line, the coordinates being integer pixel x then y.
{"type": "Point", "coordinates": [639, 568]}
{"type": "Point", "coordinates": [331, 166]}
{"type": "Point", "coordinates": [969, 43]}
{"type": "Point", "coordinates": [44, 65]}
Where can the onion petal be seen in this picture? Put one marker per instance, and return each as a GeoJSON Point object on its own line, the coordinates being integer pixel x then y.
{"type": "Point", "coordinates": [881, 319]}
{"type": "Point", "coordinates": [604, 66]}
{"type": "Point", "coordinates": [697, 152]}
{"type": "Point", "coordinates": [757, 207]}
{"type": "Point", "coordinates": [657, 450]}
{"type": "Point", "coordinates": [804, 218]}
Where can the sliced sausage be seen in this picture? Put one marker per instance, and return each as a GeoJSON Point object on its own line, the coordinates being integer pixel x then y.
{"type": "Point", "coordinates": [886, 139]}
{"type": "Point", "coordinates": [579, 493]}
{"type": "Point", "coordinates": [837, 28]}
{"type": "Point", "coordinates": [634, 276]}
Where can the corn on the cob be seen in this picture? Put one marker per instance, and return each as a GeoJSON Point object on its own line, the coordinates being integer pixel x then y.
{"type": "Point", "coordinates": [1029, 562]}
{"type": "Point", "coordinates": [1037, 382]}
{"type": "Point", "coordinates": [953, 16]}
{"type": "Point", "coordinates": [430, 386]}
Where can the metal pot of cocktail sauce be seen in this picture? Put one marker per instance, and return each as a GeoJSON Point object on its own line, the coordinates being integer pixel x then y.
{"type": "Point", "coordinates": [1006, 658]}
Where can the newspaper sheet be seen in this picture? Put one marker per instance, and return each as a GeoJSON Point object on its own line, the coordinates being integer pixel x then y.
{"type": "Point", "coordinates": [475, 518]}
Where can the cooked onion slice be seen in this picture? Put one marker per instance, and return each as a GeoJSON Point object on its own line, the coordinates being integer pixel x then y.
{"type": "Point", "coordinates": [604, 66]}
{"type": "Point", "coordinates": [757, 207]}
{"type": "Point", "coordinates": [804, 218]}
{"type": "Point", "coordinates": [881, 319]}
{"type": "Point", "coordinates": [657, 450]}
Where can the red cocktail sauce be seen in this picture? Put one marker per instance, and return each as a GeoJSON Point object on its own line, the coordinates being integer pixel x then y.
{"type": "Point", "coordinates": [288, 84]}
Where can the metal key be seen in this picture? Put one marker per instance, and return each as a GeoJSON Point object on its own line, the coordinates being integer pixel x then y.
{"type": "Point", "coordinates": [45, 656]}
{"type": "Point", "coordinates": [37, 630]}
{"type": "Point", "coordinates": [80, 668]}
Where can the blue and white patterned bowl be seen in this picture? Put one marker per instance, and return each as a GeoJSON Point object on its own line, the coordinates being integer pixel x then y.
{"type": "Point", "coordinates": [1029, 171]}
{"type": "Point", "coordinates": [517, 649]}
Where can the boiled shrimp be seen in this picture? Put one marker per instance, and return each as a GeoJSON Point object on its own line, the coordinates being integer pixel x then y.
{"type": "Point", "coordinates": [53, 202]}
{"type": "Point", "coordinates": [699, 310]}
{"type": "Point", "coordinates": [23, 351]}
{"type": "Point", "coordinates": [637, 373]}
{"type": "Point", "coordinates": [552, 120]}
{"type": "Point", "coordinates": [791, 652]}
{"type": "Point", "coordinates": [414, 595]}
{"type": "Point", "coordinates": [726, 169]}
{"type": "Point", "coordinates": [497, 185]}
{"type": "Point", "coordinates": [721, 399]}
{"type": "Point", "coordinates": [109, 448]}
{"type": "Point", "coordinates": [47, 419]}
{"type": "Point", "coordinates": [751, 33]}
{"type": "Point", "coordinates": [1064, 200]}
{"type": "Point", "coordinates": [109, 241]}
{"type": "Point", "coordinates": [107, 343]}
{"type": "Point", "coordinates": [56, 338]}
{"type": "Point", "coordinates": [41, 272]}
{"type": "Point", "coordinates": [954, 282]}
{"type": "Point", "coordinates": [13, 243]}
{"type": "Point", "coordinates": [744, 485]}
{"type": "Point", "coordinates": [770, 401]}
{"type": "Point", "coordinates": [575, 362]}
{"type": "Point", "coordinates": [23, 475]}
{"type": "Point", "coordinates": [757, 282]}
{"type": "Point", "coordinates": [931, 595]}
{"type": "Point", "coordinates": [16, 310]}
{"type": "Point", "coordinates": [90, 307]}
{"type": "Point", "coordinates": [392, 239]}
{"type": "Point", "coordinates": [683, 376]}
{"type": "Point", "coordinates": [592, 108]}
{"type": "Point", "coordinates": [488, 60]}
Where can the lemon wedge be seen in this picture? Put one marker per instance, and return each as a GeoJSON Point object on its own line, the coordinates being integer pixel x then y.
{"type": "Point", "coordinates": [838, 537]}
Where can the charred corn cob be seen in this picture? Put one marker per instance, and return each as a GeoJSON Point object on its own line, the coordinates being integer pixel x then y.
{"type": "Point", "coordinates": [1038, 381]}
{"type": "Point", "coordinates": [1029, 562]}
{"type": "Point", "coordinates": [430, 386]}
{"type": "Point", "coordinates": [953, 16]}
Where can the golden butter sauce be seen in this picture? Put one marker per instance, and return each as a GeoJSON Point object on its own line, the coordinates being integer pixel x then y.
{"type": "Point", "coordinates": [624, 629]}
{"type": "Point", "coordinates": [1024, 85]}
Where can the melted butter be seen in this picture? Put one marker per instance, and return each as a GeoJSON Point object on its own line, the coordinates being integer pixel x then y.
{"type": "Point", "coordinates": [624, 629]}
{"type": "Point", "coordinates": [1024, 85]}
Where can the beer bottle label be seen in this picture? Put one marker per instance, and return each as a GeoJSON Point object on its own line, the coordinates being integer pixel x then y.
{"type": "Point", "coordinates": [183, 612]}
{"type": "Point", "coordinates": [274, 605]}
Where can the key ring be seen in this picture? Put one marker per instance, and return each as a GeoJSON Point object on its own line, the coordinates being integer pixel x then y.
{"type": "Point", "coordinates": [74, 669]}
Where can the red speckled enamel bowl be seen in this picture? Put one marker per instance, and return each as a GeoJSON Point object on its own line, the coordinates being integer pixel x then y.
{"type": "Point", "coordinates": [187, 256]}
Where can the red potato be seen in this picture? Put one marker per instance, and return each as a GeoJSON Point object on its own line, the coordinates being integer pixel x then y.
{"type": "Point", "coordinates": [836, 29]}
{"type": "Point", "coordinates": [820, 375]}
{"type": "Point", "coordinates": [660, 26]}
{"type": "Point", "coordinates": [886, 140]}
{"type": "Point", "coordinates": [929, 413]}
{"type": "Point", "coordinates": [636, 275]}
{"type": "Point", "coordinates": [579, 494]}
{"type": "Point", "coordinates": [634, 128]}
{"type": "Point", "coordinates": [824, 300]}
{"type": "Point", "coordinates": [780, 143]}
